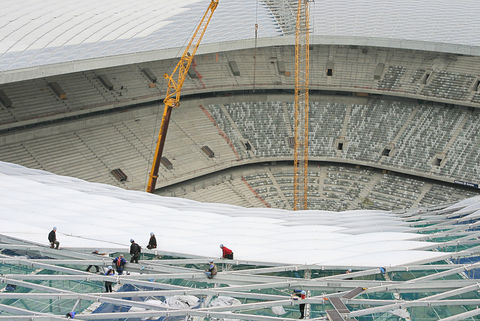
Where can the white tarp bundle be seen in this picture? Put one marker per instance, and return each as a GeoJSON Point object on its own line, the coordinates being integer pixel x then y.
{"type": "Point", "coordinates": [182, 301]}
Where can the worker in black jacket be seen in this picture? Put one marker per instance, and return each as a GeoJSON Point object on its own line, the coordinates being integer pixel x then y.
{"type": "Point", "coordinates": [52, 238]}
{"type": "Point", "coordinates": [135, 250]}
{"type": "Point", "coordinates": [152, 244]}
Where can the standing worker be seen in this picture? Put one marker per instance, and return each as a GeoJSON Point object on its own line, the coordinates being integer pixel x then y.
{"type": "Point", "coordinates": [212, 270]}
{"type": "Point", "coordinates": [52, 238]}
{"type": "Point", "coordinates": [226, 252]}
{"type": "Point", "coordinates": [119, 262]}
{"type": "Point", "coordinates": [135, 251]}
{"type": "Point", "coordinates": [152, 244]}
{"type": "Point", "coordinates": [300, 295]}
{"type": "Point", "coordinates": [108, 284]}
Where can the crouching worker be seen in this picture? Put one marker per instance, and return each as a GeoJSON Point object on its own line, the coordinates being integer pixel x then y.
{"type": "Point", "coordinates": [108, 284]}
{"type": "Point", "coordinates": [52, 238]}
{"type": "Point", "coordinates": [152, 243]}
{"type": "Point", "coordinates": [97, 269]}
{"type": "Point", "coordinates": [212, 270]}
{"type": "Point", "coordinates": [71, 315]}
{"type": "Point", "coordinates": [300, 295]}
{"type": "Point", "coordinates": [226, 252]}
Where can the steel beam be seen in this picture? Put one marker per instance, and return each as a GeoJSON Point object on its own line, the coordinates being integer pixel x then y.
{"type": "Point", "coordinates": [28, 315]}
{"type": "Point", "coordinates": [462, 316]}
{"type": "Point", "coordinates": [415, 303]}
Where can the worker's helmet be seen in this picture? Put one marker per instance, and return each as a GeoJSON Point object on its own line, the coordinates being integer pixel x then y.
{"type": "Point", "coordinates": [221, 246]}
{"type": "Point", "coordinates": [121, 255]}
{"type": "Point", "coordinates": [151, 233]}
{"type": "Point", "coordinates": [109, 267]}
{"type": "Point", "coordinates": [54, 228]}
{"type": "Point", "coordinates": [211, 261]}
{"type": "Point", "coordinates": [131, 241]}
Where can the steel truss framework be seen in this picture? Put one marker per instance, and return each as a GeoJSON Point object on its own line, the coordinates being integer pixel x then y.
{"type": "Point", "coordinates": [445, 289]}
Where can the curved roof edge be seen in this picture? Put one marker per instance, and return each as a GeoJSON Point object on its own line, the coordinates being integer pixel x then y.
{"type": "Point", "coordinates": [140, 57]}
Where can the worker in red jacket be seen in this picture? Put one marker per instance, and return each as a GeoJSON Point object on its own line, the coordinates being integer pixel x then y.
{"type": "Point", "coordinates": [227, 253]}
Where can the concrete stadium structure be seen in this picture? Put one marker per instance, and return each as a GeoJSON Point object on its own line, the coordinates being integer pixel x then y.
{"type": "Point", "coordinates": [419, 106]}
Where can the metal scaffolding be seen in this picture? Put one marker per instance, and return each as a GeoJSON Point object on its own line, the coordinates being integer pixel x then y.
{"type": "Point", "coordinates": [44, 284]}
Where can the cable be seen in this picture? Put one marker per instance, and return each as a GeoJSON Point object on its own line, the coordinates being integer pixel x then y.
{"type": "Point", "coordinates": [255, 50]}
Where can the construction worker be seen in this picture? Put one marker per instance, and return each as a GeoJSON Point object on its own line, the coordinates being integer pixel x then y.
{"type": "Point", "coordinates": [226, 252]}
{"type": "Point", "coordinates": [120, 262]}
{"type": "Point", "coordinates": [97, 269]}
{"type": "Point", "coordinates": [212, 270]}
{"type": "Point", "coordinates": [300, 295]}
{"type": "Point", "coordinates": [348, 272]}
{"type": "Point", "coordinates": [71, 315]}
{"type": "Point", "coordinates": [135, 251]}
{"type": "Point", "coordinates": [152, 244]}
{"type": "Point", "coordinates": [108, 284]}
{"type": "Point", "coordinates": [10, 288]}
{"type": "Point", "coordinates": [52, 238]}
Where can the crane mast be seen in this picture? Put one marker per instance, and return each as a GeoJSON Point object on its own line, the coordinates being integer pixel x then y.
{"type": "Point", "coordinates": [300, 153]}
{"type": "Point", "coordinates": [174, 88]}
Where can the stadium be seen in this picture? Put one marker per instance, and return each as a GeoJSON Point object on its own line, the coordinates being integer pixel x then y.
{"type": "Point", "coordinates": [390, 227]}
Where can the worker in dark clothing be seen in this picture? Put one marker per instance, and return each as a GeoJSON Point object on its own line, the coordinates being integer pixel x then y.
{"type": "Point", "coordinates": [300, 295]}
{"type": "Point", "coordinates": [135, 251]}
{"type": "Point", "coordinates": [119, 262]}
{"type": "Point", "coordinates": [212, 270]}
{"type": "Point", "coordinates": [108, 284]}
{"type": "Point", "coordinates": [11, 288]}
{"type": "Point", "coordinates": [152, 244]}
{"type": "Point", "coordinates": [71, 315]}
{"type": "Point", "coordinates": [97, 269]}
{"type": "Point", "coordinates": [226, 252]}
{"type": "Point", "coordinates": [52, 238]}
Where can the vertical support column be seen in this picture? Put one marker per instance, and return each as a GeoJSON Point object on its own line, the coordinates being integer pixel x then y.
{"type": "Point", "coordinates": [300, 153]}
{"type": "Point", "coordinates": [307, 275]}
{"type": "Point", "coordinates": [77, 303]}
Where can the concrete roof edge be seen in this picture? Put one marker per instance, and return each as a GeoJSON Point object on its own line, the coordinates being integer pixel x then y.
{"type": "Point", "coordinates": [10, 76]}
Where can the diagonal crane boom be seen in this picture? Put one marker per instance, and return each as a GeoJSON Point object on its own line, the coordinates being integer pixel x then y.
{"type": "Point", "coordinates": [300, 153]}
{"type": "Point", "coordinates": [175, 83]}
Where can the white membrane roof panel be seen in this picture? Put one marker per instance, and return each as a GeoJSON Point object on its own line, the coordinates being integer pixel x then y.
{"type": "Point", "coordinates": [43, 32]}
{"type": "Point", "coordinates": [96, 215]}
{"type": "Point", "coordinates": [443, 21]}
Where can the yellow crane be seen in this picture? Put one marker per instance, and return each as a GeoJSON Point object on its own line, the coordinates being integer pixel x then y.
{"type": "Point", "coordinates": [174, 88]}
{"type": "Point", "coordinates": [300, 153]}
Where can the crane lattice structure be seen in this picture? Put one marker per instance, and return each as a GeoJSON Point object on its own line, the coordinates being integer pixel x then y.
{"type": "Point", "coordinates": [300, 153]}
{"type": "Point", "coordinates": [174, 88]}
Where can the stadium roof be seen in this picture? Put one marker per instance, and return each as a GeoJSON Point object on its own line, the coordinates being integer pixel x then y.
{"type": "Point", "coordinates": [37, 33]}
{"type": "Point", "coordinates": [416, 264]}
{"type": "Point", "coordinates": [98, 215]}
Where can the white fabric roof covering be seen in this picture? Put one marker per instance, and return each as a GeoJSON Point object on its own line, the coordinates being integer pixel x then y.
{"type": "Point", "coordinates": [103, 216]}
{"type": "Point", "coordinates": [41, 32]}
